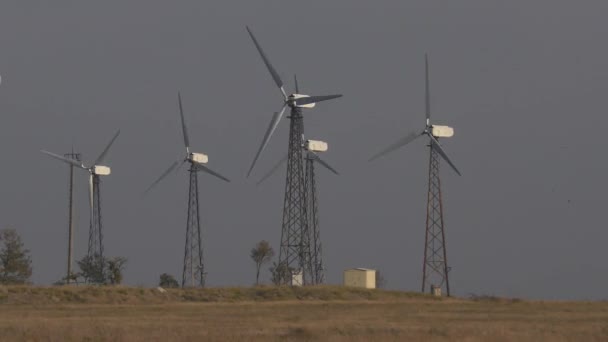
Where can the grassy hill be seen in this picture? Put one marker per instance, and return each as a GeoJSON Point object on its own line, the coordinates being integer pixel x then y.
{"type": "Point", "coordinates": [141, 295]}
{"type": "Point", "coordinates": [329, 313]}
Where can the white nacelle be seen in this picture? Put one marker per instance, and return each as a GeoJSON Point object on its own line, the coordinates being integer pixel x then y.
{"type": "Point", "coordinates": [101, 170]}
{"type": "Point", "coordinates": [299, 96]}
{"type": "Point", "coordinates": [199, 158]}
{"type": "Point", "coordinates": [442, 131]}
{"type": "Point", "coordinates": [316, 146]}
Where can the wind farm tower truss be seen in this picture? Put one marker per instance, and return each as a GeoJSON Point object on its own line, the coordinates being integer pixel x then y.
{"type": "Point", "coordinates": [193, 272]}
{"type": "Point", "coordinates": [295, 249]}
{"type": "Point", "coordinates": [435, 268]}
{"type": "Point", "coordinates": [435, 265]}
{"type": "Point", "coordinates": [295, 258]}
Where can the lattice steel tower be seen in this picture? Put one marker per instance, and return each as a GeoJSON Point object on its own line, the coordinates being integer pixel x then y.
{"type": "Point", "coordinates": [295, 251]}
{"type": "Point", "coordinates": [193, 272]}
{"type": "Point", "coordinates": [435, 267]}
{"type": "Point", "coordinates": [311, 147]}
{"type": "Point", "coordinates": [95, 250]}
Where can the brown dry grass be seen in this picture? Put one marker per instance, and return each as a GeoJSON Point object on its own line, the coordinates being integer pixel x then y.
{"type": "Point", "coordinates": [326, 313]}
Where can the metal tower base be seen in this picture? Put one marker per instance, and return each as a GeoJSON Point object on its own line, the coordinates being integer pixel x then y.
{"type": "Point", "coordinates": [318, 276]}
{"type": "Point", "coordinates": [95, 250]}
{"type": "Point", "coordinates": [295, 250]}
{"type": "Point", "coordinates": [435, 268]}
{"type": "Point", "coordinates": [193, 274]}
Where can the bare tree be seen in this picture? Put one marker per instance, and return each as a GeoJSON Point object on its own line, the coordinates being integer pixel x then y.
{"type": "Point", "coordinates": [261, 254]}
{"type": "Point", "coordinates": [15, 261]}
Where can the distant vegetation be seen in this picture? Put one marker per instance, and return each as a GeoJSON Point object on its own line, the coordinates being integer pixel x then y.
{"type": "Point", "coordinates": [15, 261]}
{"type": "Point", "coordinates": [167, 281]}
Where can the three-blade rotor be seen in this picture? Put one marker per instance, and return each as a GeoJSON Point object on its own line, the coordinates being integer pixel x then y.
{"type": "Point", "coordinates": [194, 164]}
{"type": "Point", "coordinates": [292, 101]}
{"type": "Point", "coordinates": [79, 164]}
{"type": "Point", "coordinates": [428, 129]}
{"type": "Point", "coordinates": [91, 169]}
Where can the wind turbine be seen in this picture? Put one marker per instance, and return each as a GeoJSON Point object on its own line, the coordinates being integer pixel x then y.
{"type": "Point", "coordinates": [292, 256]}
{"type": "Point", "coordinates": [435, 267]}
{"type": "Point", "coordinates": [311, 148]}
{"type": "Point", "coordinates": [96, 170]}
{"type": "Point", "coordinates": [194, 268]}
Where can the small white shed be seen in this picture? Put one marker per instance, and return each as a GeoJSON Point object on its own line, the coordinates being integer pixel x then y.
{"type": "Point", "coordinates": [360, 277]}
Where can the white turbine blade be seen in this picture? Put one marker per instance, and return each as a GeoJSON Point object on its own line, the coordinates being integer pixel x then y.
{"type": "Point", "coordinates": [272, 171]}
{"type": "Point", "coordinates": [63, 159]}
{"type": "Point", "coordinates": [273, 72]}
{"type": "Point", "coordinates": [427, 90]}
{"type": "Point", "coordinates": [211, 172]}
{"type": "Point", "coordinates": [315, 99]}
{"type": "Point", "coordinates": [401, 142]}
{"type": "Point", "coordinates": [276, 118]}
{"type": "Point", "coordinates": [322, 162]}
{"type": "Point", "coordinates": [103, 154]}
{"type": "Point", "coordinates": [184, 128]}
{"type": "Point", "coordinates": [435, 144]}
{"type": "Point", "coordinates": [162, 176]}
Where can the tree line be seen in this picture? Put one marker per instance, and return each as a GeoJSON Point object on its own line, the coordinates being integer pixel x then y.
{"type": "Point", "coordinates": [16, 266]}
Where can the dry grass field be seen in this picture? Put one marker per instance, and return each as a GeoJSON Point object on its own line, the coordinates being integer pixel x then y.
{"type": "Point", "coordinates": [277, 314]}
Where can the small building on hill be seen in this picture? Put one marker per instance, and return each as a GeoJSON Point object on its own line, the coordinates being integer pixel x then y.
{"type": "Point", "coordinates": [360, 277]}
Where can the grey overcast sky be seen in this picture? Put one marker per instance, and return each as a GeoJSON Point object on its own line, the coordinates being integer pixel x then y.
{"type": "Point", "coordinates": [522, 82]}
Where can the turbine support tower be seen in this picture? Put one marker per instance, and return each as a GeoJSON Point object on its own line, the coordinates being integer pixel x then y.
{"type": "Point", "coordinates": [435, 265]}
{"type": "Point", "coordinates": [295, 260]}
{"type": "Point", "coordinates": [193, 274]}
{"type": "Point", "coordinates": [95, 250]}
{"type": "Point", "coordinates": [435, 268]}
{"type": "Point", "coordinates": [295, 250]}
{"type": "Point", "coordinates": [74, 156]}
{"type": "Point", "coordinates": [313, 221]}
